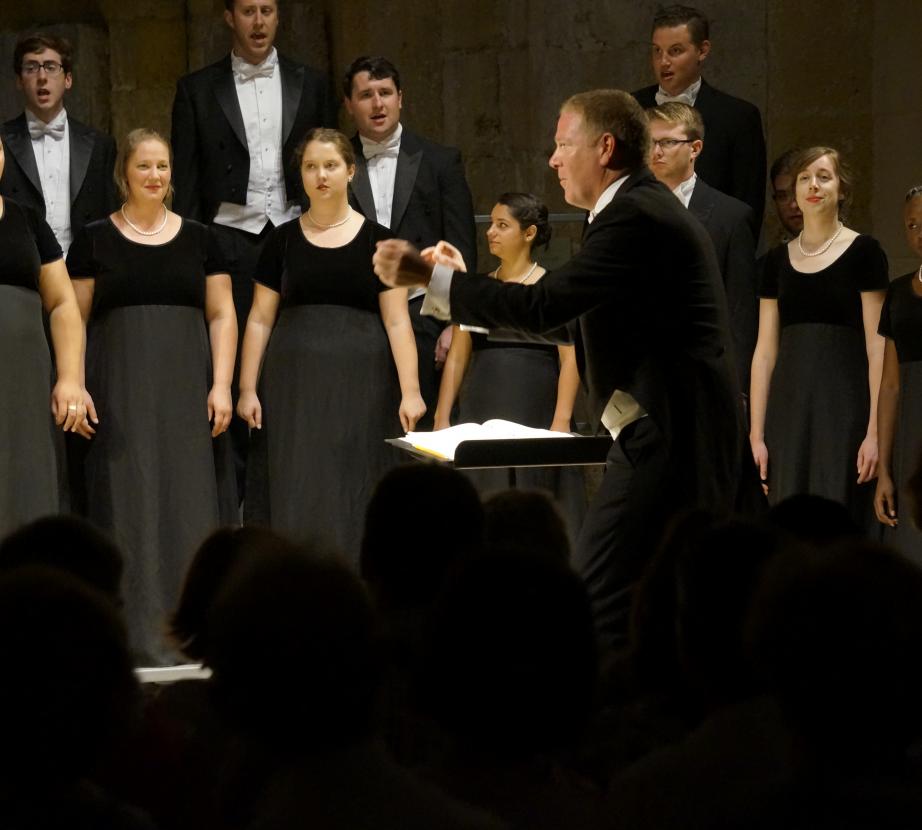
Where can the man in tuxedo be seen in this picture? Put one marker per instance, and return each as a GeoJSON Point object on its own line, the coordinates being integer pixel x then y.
{"type": "Point", "coordinates": [411, 185]}
{"type": "Point", "coordinates": [54, 164]}
{"type": "Point", "coordinates": [643, 302]}
{"type": "Point", "coordinates": [733, 159]}
{"type": "Point", "coordinates": [789, 214]}
{"type": "Point", "coordinates": [236, 125]}
{"type": "Point", "coordinates": [678, 136]}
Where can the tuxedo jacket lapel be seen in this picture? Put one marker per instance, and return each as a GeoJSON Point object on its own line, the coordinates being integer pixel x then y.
{"type": "Point", "coordinates": [360, 186]}
{"type": "Point", "coordinates": [408, 162]}
{"type": "Point", "coordinates": [81, 148]}
{"type": "Point", "coordinates": [226, 93]}
{"type": "Point", "coordinates": [19, 146]}
{"type": "Point", "coordinates": [700, 203]}
{"type": "Point", "coordinates": [292, 84]}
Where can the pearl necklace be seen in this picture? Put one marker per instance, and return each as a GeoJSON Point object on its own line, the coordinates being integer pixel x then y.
{"type": "Point", "coordinates": [824, 247]}
{"type": "Point", "coordinates": [317, 224]}
{"type": "Point", "coordinates": [528, 273]}
{"type": "Point", "coordinates": [136, 229]}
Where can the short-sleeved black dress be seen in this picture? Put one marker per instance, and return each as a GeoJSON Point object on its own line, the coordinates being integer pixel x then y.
{"type": "Point", "coordinates": [150, 472]}
{"type": "Point", "coordinates": [29, 445]}
{"type": "Point", "coordinates": [819, 401]}
{"type": "Point", "coordinates": [328, 388]}
{"type": "Point", "coordinates": [518, 382]}
{"type": "Point", "coordinates": [901, 322]}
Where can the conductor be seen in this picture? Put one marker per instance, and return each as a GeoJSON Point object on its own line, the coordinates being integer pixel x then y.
{"type": "Point", "coordinates": [644, 305]}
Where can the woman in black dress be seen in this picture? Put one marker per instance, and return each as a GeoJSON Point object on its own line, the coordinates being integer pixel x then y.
{"type": "Point", "coordinates": [531, 384]}
{"type": "Point", "coordinates": [340, 372]}
{"type": "Point", "coordinates": [899, 407]}
{"type": "Point", "coordinates": [161, 338]}
{"type": "Point", "coordinates": [33, 276]}
{"type": "Point", "coordinates": [817, 364]}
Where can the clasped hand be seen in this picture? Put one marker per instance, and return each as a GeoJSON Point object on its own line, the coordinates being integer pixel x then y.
{"type": "Point", "coordinates": [73, 408]}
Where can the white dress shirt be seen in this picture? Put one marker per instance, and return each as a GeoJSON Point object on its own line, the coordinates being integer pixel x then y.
{"type": "Point", "coordinates": [687, 96]}
{"type": "Point", "coordinates": [259, 93]}
{"type": "Point", "coordinates": [51, 147]}
{"type": "Point", "coordinates": [685, 189]}
{"type": "Point", "coordinates": [381, 163]}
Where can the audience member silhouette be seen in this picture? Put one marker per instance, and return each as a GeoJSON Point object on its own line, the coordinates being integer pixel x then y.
{"type": "Point", "coordinates": [685, 658]}
{"type": "Point", "coordinates": [511, 677]}
{"type": "Point", "coordinates": [527, 521]}
{"type": "Point", "coordinates": [814, 520]}
{"type": "Point", "coordinates": [69, 544]}
{"type": "Point", "coordinates": [68, 692]}
{"type": "Point", "coordinates": [310, 712]}
{"type": "Point", "coordinates": [209, 572]}
{"type": "Point", "coordinates": [735, 740]}
{"type": "Point", "coordinates": [837, 634]}
{"type": "Point", "coordinates": [178, 764]}
{"type": "Point", "coordinates": [406, 571]}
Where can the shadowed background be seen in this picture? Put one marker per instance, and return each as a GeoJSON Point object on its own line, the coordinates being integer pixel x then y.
{"type": "Point", "coordinates": [488, 76]}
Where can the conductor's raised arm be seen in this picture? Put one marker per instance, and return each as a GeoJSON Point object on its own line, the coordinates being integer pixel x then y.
{"type": "Point", "coordinates": [399, 265]}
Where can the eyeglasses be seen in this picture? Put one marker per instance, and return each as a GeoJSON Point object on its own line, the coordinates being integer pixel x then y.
{"type": "Point", "coordinates": [671, 143]}
{"type": "Point", "coordinates": [51, 68]}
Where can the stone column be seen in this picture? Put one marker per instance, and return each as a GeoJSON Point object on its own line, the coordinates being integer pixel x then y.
{"type": "Point", "coordinates": [148, 48]}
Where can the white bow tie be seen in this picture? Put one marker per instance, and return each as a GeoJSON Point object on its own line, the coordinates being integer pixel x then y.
{"type": "Point", "coordinates": [385, 149]}
{"type": "Point", "coordinates": [683, 98]}
{"type": "Point", "coordinates": [55, 128]}
{"type": "Point", "coordinates": [247, 71]}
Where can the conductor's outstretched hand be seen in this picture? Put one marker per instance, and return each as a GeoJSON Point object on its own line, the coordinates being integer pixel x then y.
{"type": "Point", "coordinates": [399, 265]}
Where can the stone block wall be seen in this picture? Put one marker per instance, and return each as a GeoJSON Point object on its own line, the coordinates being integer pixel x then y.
{"type": "Point", "coordinates": [488, 77]}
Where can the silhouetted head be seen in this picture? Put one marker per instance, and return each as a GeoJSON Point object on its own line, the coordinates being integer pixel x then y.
{"type": "Point", "coordinates": [421, 522]}
{"type": "Point", "coordinates": [836, 633]}
{"type": "Point", "coordinates": [68, 687]}
{"type": "Point", "coordinates": [690, 608]}
{"type": "Point", "coordinates": [293, 648]}
{"type": "Point", "coordinates": [527, 521]}
{"type": "Point", "coordinates": [653, 651]}
{"type": "Point", "coordinates": [209, 572]}
{"type": "Point", "coordinates": [68, 544]}
{"type": "Point", "coordinates": [513, 659]}
{"type": "Point", "coordinates": [716, 580]}
{"type": "Point", "coordinates": [814, 520]}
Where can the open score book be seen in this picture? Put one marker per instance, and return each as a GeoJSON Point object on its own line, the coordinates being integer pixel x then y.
{"type": "Point", "coordinates": [444, 442]}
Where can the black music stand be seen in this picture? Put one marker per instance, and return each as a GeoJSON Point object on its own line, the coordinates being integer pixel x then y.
{"type": "Point", "coordinates": [579, 451]}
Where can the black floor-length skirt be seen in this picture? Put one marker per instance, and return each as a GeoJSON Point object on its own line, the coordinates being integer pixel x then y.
{"type": "Point", "coordinates": [907, 454]}
{"type": "Point", "coordinates": [817, 417]}
{"type": "Point", "coordinates": [150, 471]}
{"type": "Point", "coordinates": [330, 398]}
{"type": "Point", "coordinates": [29, 462]}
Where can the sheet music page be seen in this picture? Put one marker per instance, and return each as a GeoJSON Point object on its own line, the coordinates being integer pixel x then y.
{"type": "Point", "coordinates": [444, 442]}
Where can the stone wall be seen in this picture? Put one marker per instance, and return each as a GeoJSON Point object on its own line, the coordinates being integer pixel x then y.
{"type": "Point", "coordinates": [488, 77]}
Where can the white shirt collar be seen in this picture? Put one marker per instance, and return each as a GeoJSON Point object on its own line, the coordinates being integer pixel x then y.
{"type": "Point", "coordinates": [685, 189]}
{"type": "Point", "coordinates": [687, 96]}
{"type": "Point", "coordinates": [59, 119]}
{"type": "Point", "coordinates": [390, 145]}
{"type": "Point", "coordinates": [247, 70]}
{"type": "Point", "coordinates": [607, 195]}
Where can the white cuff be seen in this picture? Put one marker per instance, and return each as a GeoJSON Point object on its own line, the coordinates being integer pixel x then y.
{"type": "Point", "coordinates": [438, 298]}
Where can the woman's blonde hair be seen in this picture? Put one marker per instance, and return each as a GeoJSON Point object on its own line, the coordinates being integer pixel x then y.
{"type": "Point", "coordinates": [125, 151]}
